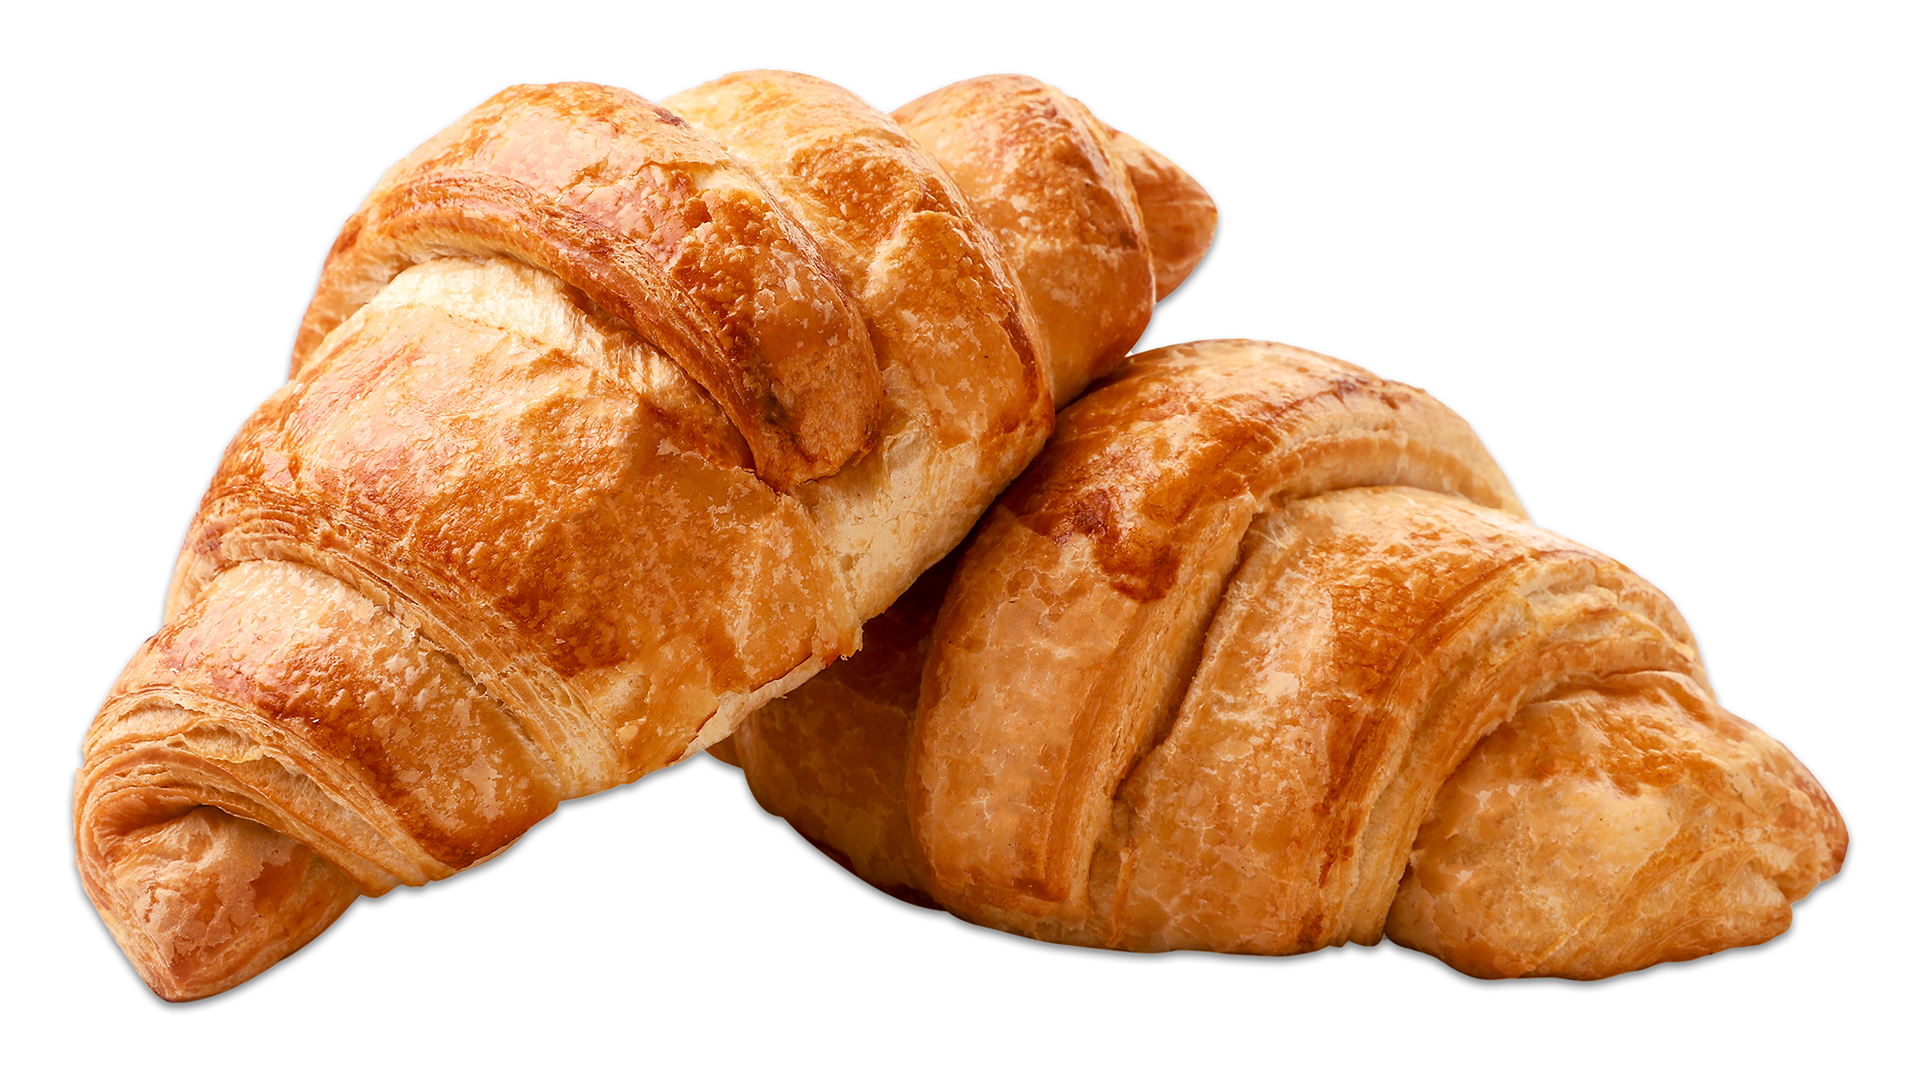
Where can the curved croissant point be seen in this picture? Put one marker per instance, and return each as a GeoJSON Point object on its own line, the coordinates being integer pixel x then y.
{"type": "Point", "coordinates": [203, 901]}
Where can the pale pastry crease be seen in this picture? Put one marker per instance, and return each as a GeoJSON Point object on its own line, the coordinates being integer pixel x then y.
{"type": "Point", "coordinates": [609, 422]}
{"type": "Point", "coordinates": [1261, 655]}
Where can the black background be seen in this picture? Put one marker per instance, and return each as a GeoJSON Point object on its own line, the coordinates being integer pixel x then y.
{"type": "Point", "coordinates": [1631, 262]}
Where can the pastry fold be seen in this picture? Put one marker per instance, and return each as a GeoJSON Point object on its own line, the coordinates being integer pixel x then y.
{"type": "Point", "coordinates": [1261, 655]}
{"type": "Point", "coordinates": [609, 421]}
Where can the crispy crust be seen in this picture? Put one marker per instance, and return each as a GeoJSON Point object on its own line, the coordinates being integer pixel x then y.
{"type": "Point", "coordinates": [607, 426]}
{"type": "Point", "coordinates": [1045, 177]}
{"type": "Point", "coordinates": [656, 224]}
{"type": "Point", "coordinates": [1237, 665]}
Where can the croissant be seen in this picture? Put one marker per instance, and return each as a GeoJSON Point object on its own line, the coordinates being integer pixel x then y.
{"type": "Point", "coordinates": [608, 421]}
{"type": "Point", "coordinates": [1262, 655]}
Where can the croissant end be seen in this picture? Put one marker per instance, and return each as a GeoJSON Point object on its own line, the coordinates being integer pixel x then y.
{"type": "Point", "coordinates": [205, 900]}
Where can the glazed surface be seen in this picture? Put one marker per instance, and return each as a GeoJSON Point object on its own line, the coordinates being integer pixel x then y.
{"type": "Point", "coordinates": [609, 421]}
{"type": "Point", "coordinates": [1261, 655]}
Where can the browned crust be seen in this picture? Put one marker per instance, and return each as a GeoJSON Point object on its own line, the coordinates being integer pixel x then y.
{"type": "Point", "coordinates": [146, 893]}
{"type": "Point", "coordinates": [576, 528]}
{"type": "Point", "coordinates": [967, 396]}
{"type": "Point", "coordinates": [1045, 177]}
{"type": "Point", "coordinates": [1696, 831]}
{"type": "Point", "coordinates": [1112, 551]}
{"type": "Point", "coordinates": [1180, 217]}
{"type": "Point", "coordinates": [480, 540]}
{"type": "Point", "coordinates": [831, 758]}
{"type": "Point", "coordinates": [1254, 630]}
{"type": "Point", "coordinates": [258, 768]}
{"type": "Point", "coordinates": [656, 224]}
{"type": "Point", "coordinates": [1369, 639]}
{"type": "Point", "coordinates": [569, 479]}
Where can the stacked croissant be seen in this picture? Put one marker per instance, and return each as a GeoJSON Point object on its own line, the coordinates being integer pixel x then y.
{"type": "Point", "coordinates": [1262, 656]}
{"type": "Point", "coordinates": [611, 423]}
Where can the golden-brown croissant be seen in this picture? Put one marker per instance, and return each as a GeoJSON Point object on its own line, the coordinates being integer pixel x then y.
{"type": "Point", "coordinates": [1261, 655]}
{"type": "Point", "coordinates": [608, 421]}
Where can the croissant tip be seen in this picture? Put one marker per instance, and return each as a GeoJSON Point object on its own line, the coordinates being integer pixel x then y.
{"type": "Point", "coordinates": [204, 900]}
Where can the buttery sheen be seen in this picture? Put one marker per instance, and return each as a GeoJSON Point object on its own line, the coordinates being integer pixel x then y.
{"type": "Point", "coordinates": [608, 422]}
{"type": "Point", "coordinates": [1261, 655]}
